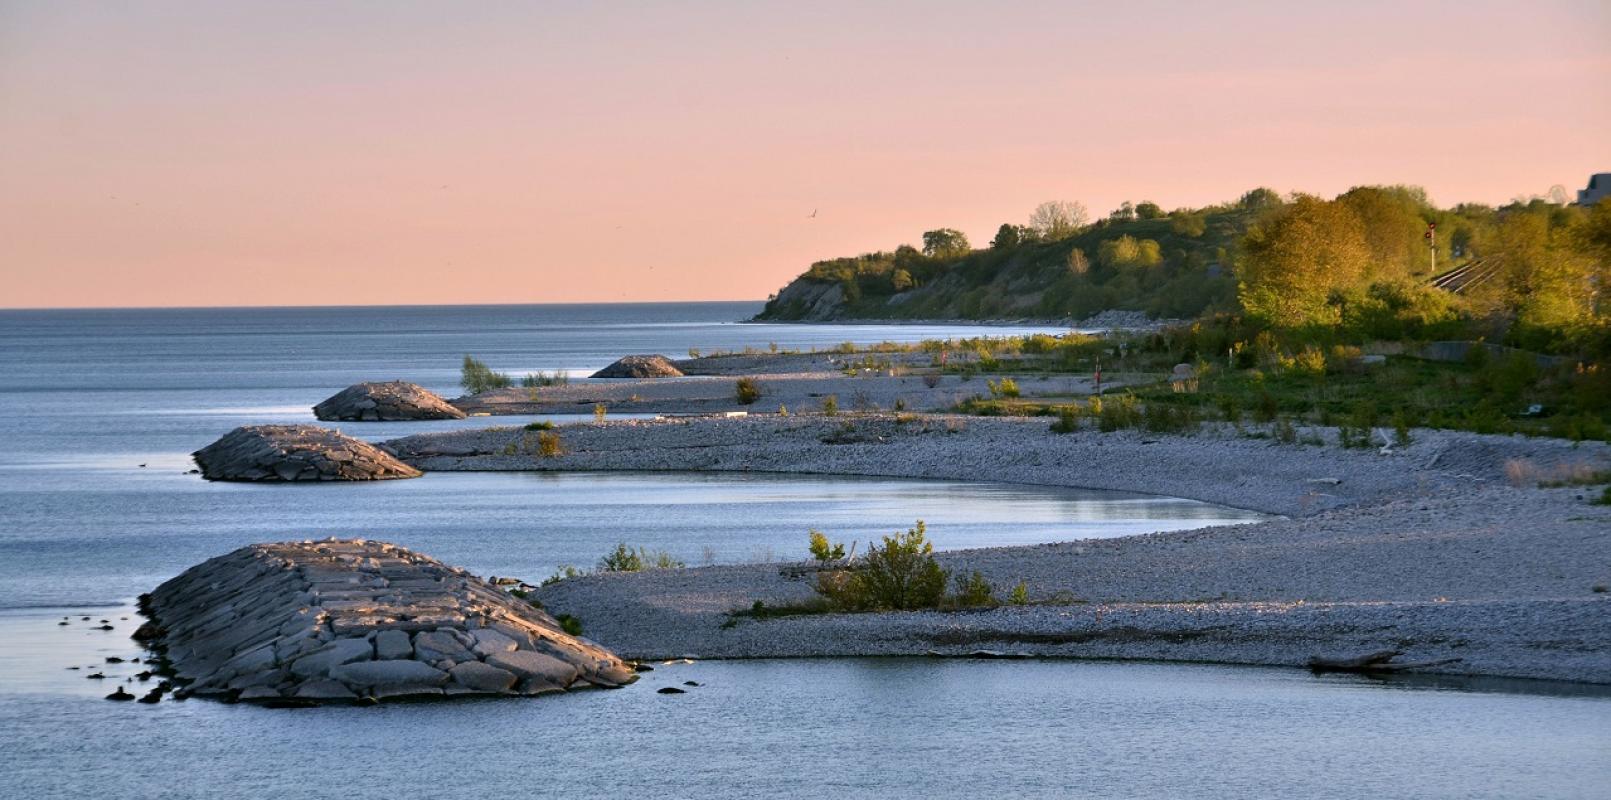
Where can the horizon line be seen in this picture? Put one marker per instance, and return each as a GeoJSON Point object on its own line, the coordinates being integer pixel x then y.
{"type": "Point", "coordinates": [378, 305]}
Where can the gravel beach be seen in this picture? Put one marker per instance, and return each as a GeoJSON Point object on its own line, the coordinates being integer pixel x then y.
{"type": "Point", "coordinates": [1446, 548]}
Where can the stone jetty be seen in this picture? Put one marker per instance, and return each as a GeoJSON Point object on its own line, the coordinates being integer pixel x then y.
{"type": "Point", "coordinates": [346, 621]}
{"type": "Point", "coordinates": [391, 400]}
{"type": "Point", "coordinates": [296, 453]}
{"type": "Point", "coordinates": [647, 366]}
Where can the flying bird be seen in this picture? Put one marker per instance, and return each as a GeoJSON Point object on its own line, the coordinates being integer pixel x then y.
{"type": "Point", "coordinates": [813, 214]}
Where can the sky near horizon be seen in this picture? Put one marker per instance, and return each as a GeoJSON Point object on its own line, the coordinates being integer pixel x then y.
{"type": "Point", "coordinates": [333, 153]}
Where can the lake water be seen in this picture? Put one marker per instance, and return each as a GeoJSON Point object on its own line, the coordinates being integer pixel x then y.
{"type": "Point", "coordinates": [88, 397]}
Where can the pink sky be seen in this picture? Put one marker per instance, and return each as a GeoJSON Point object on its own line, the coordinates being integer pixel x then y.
{"type": "Point", "coordinates": [286, 153]}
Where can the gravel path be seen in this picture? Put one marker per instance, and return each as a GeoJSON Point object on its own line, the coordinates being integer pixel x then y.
{"type": "Point", "coordinates": [1430, 548]}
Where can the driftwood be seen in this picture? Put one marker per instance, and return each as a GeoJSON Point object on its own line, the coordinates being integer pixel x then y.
{"type": "Point", "coordinates": [1380, 661]}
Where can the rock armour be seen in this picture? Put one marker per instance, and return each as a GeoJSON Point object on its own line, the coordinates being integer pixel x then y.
{"type": "Point", "coordinates": [351, 620]}
{"type": "Point", "coordinates": [392, 400]}
{"type": "Point", "coordinates": [297, 453]}
{"type": "Point", "coordinates": [650, 366]}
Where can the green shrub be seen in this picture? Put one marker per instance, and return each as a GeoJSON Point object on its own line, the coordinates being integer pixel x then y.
{"type": "Point", "coordinates": [569, 624]}
{"type": "Point", "coordinates": [532, 380]}
{"type": "Point", "coordinates": [1229, 409]}
{"type": "Point", "coordinates": [830, 406]}
{"type": "Point", "coordinates": [1068, 419]}
{"type": "Point", "coordinates": [974, 591]}
{"type": "Point", "coordinates": [1401, 429]}
{"type": "Point", "coordinates": [627, 559]}
{"type": "Point", "coordinates": [747, 390]}
{"type": "Point", "coordinates": [1284, 432]}
{"type": "Point", "coordinates": [898, 574]}
{"type": "Point", "coordinates": [564, 572]}
{"type": "Point", "coordinates": [1122, 412]}
{"type": "Point", "coordinates": [477, 377]}
{"type": "Point", "coordinates": [1006, 387]}
{"type": "Point", "coordinates": [1267, 408]}
{"type": "Point", "coordinates": [549, 444]}
{"type": "Point", "coordinates": [600, 411]}
{"type": "Point", "coordinates": [543, 425]}
{"type": "Point", "coordinates": [1020, 594]}
{"type": "Point", "coordinates": [822, 550]}
{"type": "Point", "coordinates": [1163, 418]}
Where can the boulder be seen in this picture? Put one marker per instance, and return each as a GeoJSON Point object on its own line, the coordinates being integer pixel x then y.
{"type": "Point", "coordinates": [483, 677]}
{"type": "Point", "coordinates": [393, 644]}
{"type": "Point", "coordinates": [397, 672]}
{"type": "Point", "coordinates": [392, 400]}
{"type": "Point", "coordinates": [646, 366]}
{"type": "Point", "coordinates": [350, 621]}
{"type": "Point", "coordinates": [535, 665]}
{"type": "Point", "coordinates": [296, 453]}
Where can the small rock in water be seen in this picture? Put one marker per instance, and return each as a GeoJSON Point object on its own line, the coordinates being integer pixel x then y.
{"type": "Point", "coordinates": [120, 695]}
{"type": "Point", "coordinates": [63, 622]}
{"type": "Point", "coordinates": [95, 676]}
{"type": "Point", "coordinates": [690, 683]}
{"type": "Point", "coordinates": [72, 667]}
{"type": "Point", "coordinates": [86, 619]}
{"type": "Point", "coordinates": [642, 668]}
{"type": "Point", "coordinates": [670, 690]}
{"type": "Point", "coordinates": [143, 676]}
{"type": "Point", "coordinates": [113, 660]}
{"type": "Point", "coordinates": [153, 696]}
{"type": "Point", "coordinates": [104, 627]}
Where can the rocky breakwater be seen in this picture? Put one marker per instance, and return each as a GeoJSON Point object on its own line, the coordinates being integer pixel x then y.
{"type": "Point", "coordinates": [392, 400]}
{"type": "Point", "coordinates": [355, 621]}
{"type": "Point", "coordinates": [650, 366]}
{"type": "Point", "coordinates": [296, 453]}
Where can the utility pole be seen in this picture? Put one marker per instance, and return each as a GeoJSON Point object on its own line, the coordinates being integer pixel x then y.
{"type": "Point", "coordinates": [1432, 245]}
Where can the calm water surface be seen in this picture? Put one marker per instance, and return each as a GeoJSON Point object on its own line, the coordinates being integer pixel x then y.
{"type": "Point", "coordinates": [88, 397]}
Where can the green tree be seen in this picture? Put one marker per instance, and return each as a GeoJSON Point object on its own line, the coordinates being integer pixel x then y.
{"type": "Point", "coordinates": [1260, 199]}
{"type": "Point", "coordinates": [1291, 263]}
{"type": "Point", "coordinates": [1185, 223]}
{"type": "Point", "coordinates": [945, 243]}
{"type": "Point", "coordinates": [901, 280]}
{"type": "Point", "coordinates": [1007, 237]}
{"type": "Point", "coordinates": [1146, 209]}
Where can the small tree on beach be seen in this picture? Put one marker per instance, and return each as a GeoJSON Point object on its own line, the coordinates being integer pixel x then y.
{"type": "Point", "coordinates": [476, 377]}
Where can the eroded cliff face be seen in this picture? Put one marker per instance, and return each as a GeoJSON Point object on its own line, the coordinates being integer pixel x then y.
{"type": "Point", "coordinates": [807, 301]}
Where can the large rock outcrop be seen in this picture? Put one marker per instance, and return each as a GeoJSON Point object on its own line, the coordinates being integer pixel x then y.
{"type": "Point", "coordinates": [647, 366]}
{"type": "Point", "coordinates": [296, 453]}
{"type": "Point", "coordinates": [355, 620]}
{"type": "Point", "coordinates": [392, 400]}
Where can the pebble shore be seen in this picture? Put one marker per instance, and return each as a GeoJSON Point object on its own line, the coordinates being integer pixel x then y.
{"type": "Point", "coordinates": [1444, 548]}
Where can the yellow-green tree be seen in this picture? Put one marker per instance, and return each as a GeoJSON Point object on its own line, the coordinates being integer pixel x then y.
{"type": "Point", "coordinates": [1293, 261]}
{"type": "Point", "coordinates": [1544, 268]}
{"type": "Point", "coordinates": [1128, 251]}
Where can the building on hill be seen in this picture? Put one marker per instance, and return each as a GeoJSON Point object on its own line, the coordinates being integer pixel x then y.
{"type": "Point", "coordinates": [1599, 186]}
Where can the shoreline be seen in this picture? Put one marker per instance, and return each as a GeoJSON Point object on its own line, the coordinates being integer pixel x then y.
{"type": "Point", "coordinates": [1428, 549]}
